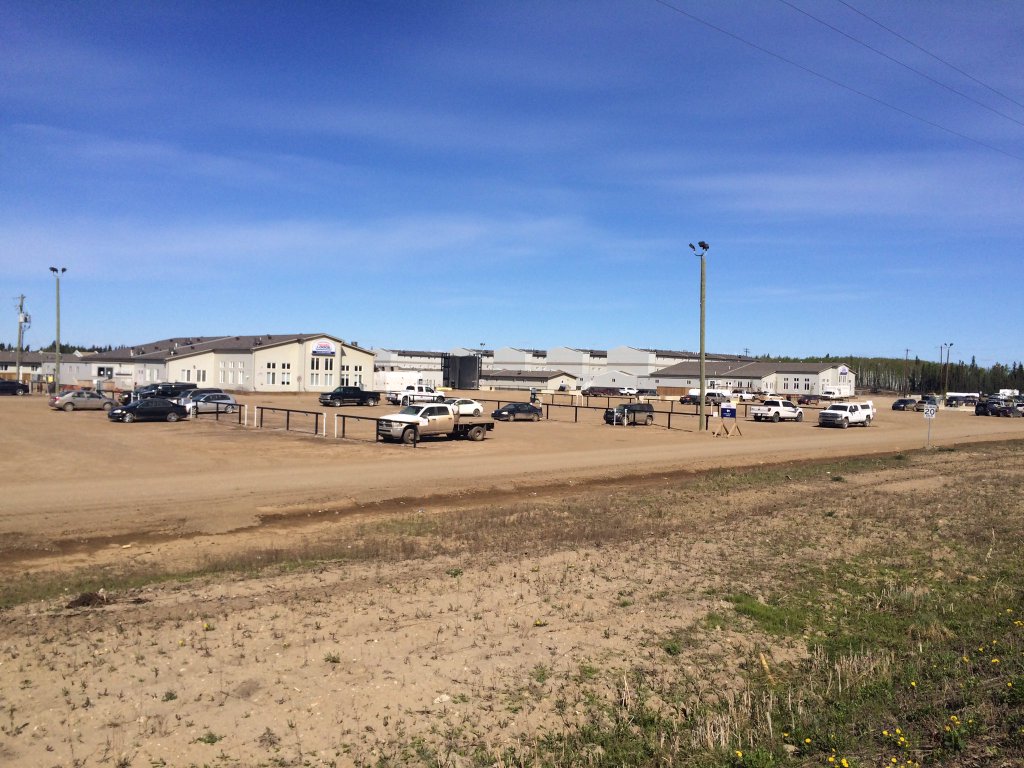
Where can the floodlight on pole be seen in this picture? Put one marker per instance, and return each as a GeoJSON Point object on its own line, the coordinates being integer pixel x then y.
{"type": "Point", "coordinates": [703, 246]}
{"type": "Point", "coordinates": [56, 378]}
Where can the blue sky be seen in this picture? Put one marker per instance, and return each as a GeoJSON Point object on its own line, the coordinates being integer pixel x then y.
{"type": "Point", "coordinates": [433, 174]}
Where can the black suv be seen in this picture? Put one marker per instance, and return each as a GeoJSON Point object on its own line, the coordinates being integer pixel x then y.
{"type": "Point", "coordinates": [168, 390]}
{"type": "Point", "coordinates": [355, 395]}
{"type": "Point", "coordinates": [630, 413]}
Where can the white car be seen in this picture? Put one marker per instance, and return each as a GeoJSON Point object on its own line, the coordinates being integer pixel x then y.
{"type": "Point", "coordinates": [627, 390]}
{"type": "Point", "coordinates": [465, 407]}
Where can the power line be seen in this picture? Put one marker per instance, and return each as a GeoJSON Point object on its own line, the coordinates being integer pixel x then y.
{"type": "Point", "coordinates": [835, 82]}
{"type": "Point", "coordinates": [894, 60]}
{"type": "Point", "coordinates": [923, 50]}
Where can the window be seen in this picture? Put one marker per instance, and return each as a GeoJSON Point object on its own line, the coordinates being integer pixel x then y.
{"type": "Point", "coordinates": [286, 374]}
{"type": "Point", "coordinates": [314, 379]}
{"type": "Point", "coordinates": [220, 378]}
{"type": "Point", "coordinates": [328, 363]}
{"type": "Point", "coordinates": [314, 363]}
{"type": "Point", "coordinates": [328, 379]}
{"type": "Point", "coordinates": [271, 373]}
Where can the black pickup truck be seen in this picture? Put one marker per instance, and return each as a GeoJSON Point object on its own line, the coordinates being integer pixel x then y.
{"type": "Point", "coordinates": [351, 395]}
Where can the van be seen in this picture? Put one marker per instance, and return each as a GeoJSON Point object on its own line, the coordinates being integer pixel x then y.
{"type": "Point", "coordinates": [630, 413]}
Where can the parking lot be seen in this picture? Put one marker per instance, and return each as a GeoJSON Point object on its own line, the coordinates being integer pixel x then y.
{"type": "Point", "coordinates": [80, 489]}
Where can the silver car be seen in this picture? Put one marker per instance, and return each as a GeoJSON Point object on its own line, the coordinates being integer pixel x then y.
{"type": "Point", "coordinates": [211, 402]}
{"type": "Point", "coordinates": [80, 400]}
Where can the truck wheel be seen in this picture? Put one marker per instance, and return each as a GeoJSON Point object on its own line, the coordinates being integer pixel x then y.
{"type": "Point", "coordinates": [649, 420]}
{"type": "Point", "coordinates": [405, 401]}
{"type": "Point", "coordinates": [371, 401]}
{"type": "Point", "coordinates": [799, 417]}
{"type": "Point", "coordinates": [336, 403]}
{"type": "Point", "coordinates": [172, 416]}
{"type": "Point", "coordinates": [867, 422]}
{"type": "Point", "coordinates": [846, 423]}
{"type": "Point", "coordinates": [775, 418]}
{"type": "Point", "coordinates": [439, 399]}
{"type": "Point", "coordinates": [478, 412]}
{"type": "Point", "coordinates": [409, 435]}
{"type": "Point", "coordinates": [535, 417]}
{"type": "Point", "coordinates": [476, 434]}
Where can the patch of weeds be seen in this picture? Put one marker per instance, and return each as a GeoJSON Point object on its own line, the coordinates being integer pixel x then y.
{"type": "Point", "coordinates": [586, 672]}
{"type": "Point", "coordinates": [778, 619]}
{"type": "Point", "coordinates": [208, 738]}
{"type": "Point", "coordinates": [454, 572]}
{"type": "Point", "coordinates": [540, 674]}
{"type": "Point", "coordinates": [332, 658]}
{"type": "Point", "coordinates": [169, 696]}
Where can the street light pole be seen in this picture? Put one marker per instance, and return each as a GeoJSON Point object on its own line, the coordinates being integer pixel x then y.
{"type": "Point", "coordinates": [945, 383]}
{"type": "Point", "coordinates": [703, 296]}
{"type": "Point", "coordinates": [57, 273]}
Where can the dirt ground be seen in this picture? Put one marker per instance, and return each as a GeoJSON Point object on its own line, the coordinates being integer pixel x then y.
{"type": "Point", "coordinates": [79, 490]}
{"type": "Point", "coordinates": [342, 663]}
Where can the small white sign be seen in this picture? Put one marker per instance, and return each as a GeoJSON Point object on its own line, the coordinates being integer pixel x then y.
{"type": "Point", "coordinates": [930, 411]}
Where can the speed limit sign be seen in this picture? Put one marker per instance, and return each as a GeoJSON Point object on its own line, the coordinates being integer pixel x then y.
{"type": "Point", "coordinates": [930, 411]}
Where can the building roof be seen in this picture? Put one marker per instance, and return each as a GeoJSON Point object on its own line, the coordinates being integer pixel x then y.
{"type": "Point", "coordinates": [512, 373]}
{"type": "Point", "coordinates": [412, 352]}
{"type": "Point", "coordinates": [163, 350]}
{"type": "Point", "coordinates": [743, 369]}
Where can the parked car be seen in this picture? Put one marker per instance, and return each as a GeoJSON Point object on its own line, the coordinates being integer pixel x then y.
{"type": "Point", "coordinates": [904, 404]}
{"type": "Point", "coordinates": [80, 400]}
{"type": "Point", "coordinates": [518, 412]}
{"type": "Point", "coordinates": [464, 406]}
{"type": "Point", "coordinates": [192, 394]}
{"type": "Point", "coordinates": [925, 401]}
{"type": "Point", "coordinates": [808, 400]}
{"type": "Point", "coordinates": [710, 398]}
{"type": "Point", "coordinates": [997, 406]}
{"type": "Point", "coordinates": [12, 387]}
{"type": "Point", "coordinates": [627, 390]}
{"type": "Point", "coordinates": [210, 402]}
{"type": "Point", "coordinates": [630, 413]}
{"type": "Point", "coordinates": [150, 409]}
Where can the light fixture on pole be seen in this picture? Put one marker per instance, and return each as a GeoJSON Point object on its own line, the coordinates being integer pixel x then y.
{"type": "Point", "coordinates": [703, 283]}
{"type": "Point", "coordinates": [56, 379]}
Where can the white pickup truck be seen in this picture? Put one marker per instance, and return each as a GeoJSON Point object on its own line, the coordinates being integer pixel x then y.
{"type": "Point", "coordinates": [415, 393]}
{"type": "Point", "coordinates": [777, 410]}
{"type": "Point", "coordinates": [416, 421]}
{"type": "Point", "coordinates": [845, 414]}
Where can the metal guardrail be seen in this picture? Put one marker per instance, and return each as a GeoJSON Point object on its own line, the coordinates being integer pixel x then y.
{"type": "Point", "coordinates": [262, 410]}
{"type": "Point", "coordinates": [345, 418]}
{"type": "Point", "coordinates": [222, 412]}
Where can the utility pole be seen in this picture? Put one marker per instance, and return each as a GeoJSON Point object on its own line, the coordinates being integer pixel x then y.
{"type": "Point", "coordinates": [945, 382]}
{"type": "Point", "coordinates": [23, 322]}
{"type": "Point", "coordinates": [56, 379]}
{"type": "Point", "coordinates": [703, 284]}
{"type": "Point", "coordinates": [906, 359]}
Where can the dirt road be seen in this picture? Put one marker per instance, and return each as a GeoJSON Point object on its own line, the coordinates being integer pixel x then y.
{"type": "Point", "coordinates": [80, 490]}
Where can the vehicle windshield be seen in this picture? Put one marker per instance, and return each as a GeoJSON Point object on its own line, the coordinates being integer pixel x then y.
{"type": "Point", "coordinates": [411, 410]}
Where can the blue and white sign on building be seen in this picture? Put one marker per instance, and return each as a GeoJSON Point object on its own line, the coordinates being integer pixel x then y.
{"type": "Point", "coordinates": [325, 348]}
